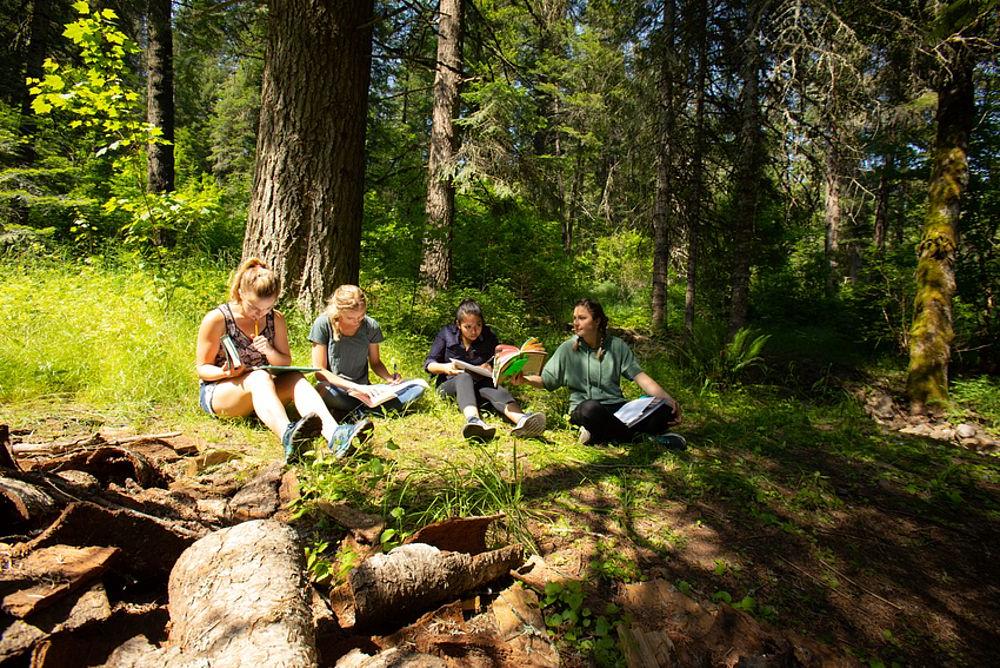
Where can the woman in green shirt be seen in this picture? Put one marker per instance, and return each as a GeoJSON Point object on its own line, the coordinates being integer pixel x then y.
{"type": "Point", "coordinates": [591, 364]}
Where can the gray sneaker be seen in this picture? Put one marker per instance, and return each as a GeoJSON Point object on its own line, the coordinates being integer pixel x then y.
{"type": "Point", "coordinates": [529, 426]}
{"type": "Point", "coordinates": [476, 429]}
{"type": "Point", "coordinates": [346, 437]}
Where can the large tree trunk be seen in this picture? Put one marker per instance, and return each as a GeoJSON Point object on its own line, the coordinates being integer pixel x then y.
{"type": "Point", "coordinates": [931, 333]}
{"type": "Point", "coordinates": [665, 168]}
{"type": "Point", "coordinates": [308, 193]}
{"type": "Point", "coordinates": [440, 207]}
{"type": "Point", "coordinates": [832, 213]}
{"type": "Point", "coordinates": [697, 191]}
{"type": "Point", "coordinates": [38, 43]}
{"type": "Point", "coordinates": [882, 203]}
{"type": "Point", "coordinates": [747, 176]}
{"type": "Point", "coordinates": [160, 94]}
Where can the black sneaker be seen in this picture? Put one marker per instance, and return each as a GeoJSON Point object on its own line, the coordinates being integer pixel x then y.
{"type": "Point", "coordinates": [478, 430]}
{"type": "Point", "coordinates": [670, 441]}
{"type": "Point", "coordinates": [299, 434]}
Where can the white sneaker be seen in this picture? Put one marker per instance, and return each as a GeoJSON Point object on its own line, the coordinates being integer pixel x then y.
{"type": "Point", "coordinates": [584, 436]}
{"type": "Point", "coordinates": [476, 429]}
{"type": "Point", "coordinates": [529, 426]}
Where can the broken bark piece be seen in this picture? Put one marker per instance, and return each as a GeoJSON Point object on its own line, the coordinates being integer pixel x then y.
{"type": "Point", "coordinates": [520, 624]}
{"type": "Point", "coordinates": [643, 648]}
{"type": "Point", "coordinates": [109, 465]}
{"type": "Point", "coordinates": [662, 600]}
{"type": "Point", "coordinates": [91, 644]}
{"type": "Point", "coordinates": [79, 482]}
{"type": "Point", "coordinates": [149, 546]}
{"type": "Point", "coordinates": [258, 499]}
{"type": "Point", "coordinates": [207, 459]}
{"type": "Point", "coordinates": [458, 534]}
{"type": "Point", "coordinates": [22, 503]}
{"type": "Point", "coordinates": [536, 573]}
{"type": "Point", "coordinates": [238, 597]}
{"type": "Point", "coordinates": [389, 588]}
{"type": "Point", "coordinates": [394, 657]}
{"type": "Point", "coordinates": [7, 459]}
{"type": "Point", "coordinates": [365, 527]}
{"type": "Point", "coordinates": [64, 615]}
{"type": "Point", "coordinates": [51, 573]}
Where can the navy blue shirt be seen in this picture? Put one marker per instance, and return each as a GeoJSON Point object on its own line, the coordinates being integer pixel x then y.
{"type": "Point", "coordinates": [448, 346]}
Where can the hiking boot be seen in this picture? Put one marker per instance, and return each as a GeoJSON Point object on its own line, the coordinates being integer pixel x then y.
{"type": "Point", "coordinates": [585, 436]}
{"type": "Point", "coordinates": [670, 441]}
{"type": "Point", "coordinates": [298, 434]}
{"type": "Point", "coordinates": [529, 426]}
{"type": "Point", "coordinates": [347, 437]}
{"type": "Point", "coordinates": [478, 430]}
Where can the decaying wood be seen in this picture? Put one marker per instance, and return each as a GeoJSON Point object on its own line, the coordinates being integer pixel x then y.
{"type": "Point", "coordinates": [208, 458]}
{"type": "Point", "coordinates": [646, 649]}
{"type": "Point", "coordinates": [238, 597]}
{"type": "Point", "coordinates": [458, 534]}
{"type": "Point", "coordinates": [7, 460]}
{"type": "Point", "coordinates": [92, 644]}
{"type": "Point", "coordinates": [108, 465]}
{"type": "Point", "coordinates": [48, 574]}
{"type": "Point", "coordinates": [365, 527]}
{"type": "Point", "coordinates": [149, 545]}
{"type": "Point", "coordinates": [64, 615]}
{"type": "Point", "coordinates": [95, 439]}
{"type": "Point", "coordinates": [389, 588]}
{"type": "Point", "coordinates": [519, 622]}
{"type": "Point", "coordinates": [258, 499]}
{"type": "Point", "coordinates": [394, 657]}
{"type": "Point", "coordinates": [24, 503]}
{"type": "Point", "coordinates": [536, 573]}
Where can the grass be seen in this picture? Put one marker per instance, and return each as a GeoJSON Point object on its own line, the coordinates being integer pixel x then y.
{"type": "Point", "coordinates": [787, 469]}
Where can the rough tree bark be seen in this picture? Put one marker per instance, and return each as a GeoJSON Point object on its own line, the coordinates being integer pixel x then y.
{"type": "Point", "coordinates": [748, 174]}
{"type": "Point", "coordinates": [831, 210]}
{"type": "Point", "coordinates": [665, 167]}
{"type": "Point", "coordinates": [882, 203]}
{"type": "Point", "coordinates": [931, 333]}
{"type": "Point", "coordinates": [307, 203]}
{"type": "Point", "coordinates": [696, 202]}
{"type": "Point", "coordinates": [160, 95]}
{"type": "Point", "coordinates": [38, 44]}
{"type": "Point", "coordinates": [440, 205]}
{"type": "Point", "coordinates": [238, 598]}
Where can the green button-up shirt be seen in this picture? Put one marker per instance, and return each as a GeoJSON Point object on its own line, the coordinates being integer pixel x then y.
{"type": "Point", "coordinates": [586, 376]}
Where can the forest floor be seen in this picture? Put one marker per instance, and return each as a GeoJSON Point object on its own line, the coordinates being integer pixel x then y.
{"type": "Point", "coordinates": [806, 514]}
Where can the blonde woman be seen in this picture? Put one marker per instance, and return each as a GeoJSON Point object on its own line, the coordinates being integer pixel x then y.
{"type": "Point", "coordinates": [260, 336]}
{"type": "Point", "coordinates": [345, 344]}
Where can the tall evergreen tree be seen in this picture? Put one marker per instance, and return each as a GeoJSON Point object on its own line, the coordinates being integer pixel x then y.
{"type": "Point", "coordinates": [306, 209]}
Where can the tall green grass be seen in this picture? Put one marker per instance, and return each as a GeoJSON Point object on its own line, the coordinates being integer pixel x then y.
{"type": "Point", "coordinates": [103, 333]}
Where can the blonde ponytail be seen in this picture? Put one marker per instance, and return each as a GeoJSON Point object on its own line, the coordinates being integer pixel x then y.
{"type": "Point", "coordinates": [344, 298]}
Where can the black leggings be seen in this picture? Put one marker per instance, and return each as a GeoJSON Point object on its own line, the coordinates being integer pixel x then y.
{"type": "Point", "coordinates": [599, 419]}
{"type": "Point", "coordinates": [468, 392]}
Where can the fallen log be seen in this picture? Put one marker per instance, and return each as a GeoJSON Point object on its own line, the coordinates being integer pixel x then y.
{"type": "Point", "coordinates": [238, 597]}
{"type": "Point", "coordinates": [22, 503]}
{"type": "Point", "coordinates": [149, 545]}
{"type": "Point", "coordinates": [458, 534]}
{"type": "Point", "coordinates": [48, 574]}
{"type": "Point", "coordinates": [93, 440]}
{"type": "Point", "coordinates": [389, 588]}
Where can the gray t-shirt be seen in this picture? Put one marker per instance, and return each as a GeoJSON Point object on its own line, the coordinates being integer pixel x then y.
{"type": "Point", "coordinates": [347, 357]}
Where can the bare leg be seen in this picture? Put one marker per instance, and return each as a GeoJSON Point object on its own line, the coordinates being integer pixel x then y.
{"type": "Point", "coordinates": [296, 388]}
{"type": "Point", "coordinates": [266, 403]}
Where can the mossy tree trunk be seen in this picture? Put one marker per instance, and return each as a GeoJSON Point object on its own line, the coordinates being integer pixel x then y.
{"type": "Point", "coordinates": [931, 334]}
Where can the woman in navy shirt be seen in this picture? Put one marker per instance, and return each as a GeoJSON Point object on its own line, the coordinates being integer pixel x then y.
{"type": "Point", "coordinates": [470, 340]}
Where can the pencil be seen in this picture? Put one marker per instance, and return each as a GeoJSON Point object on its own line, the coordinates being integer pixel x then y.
{"type": "Point", "coordinates": [255, 332]}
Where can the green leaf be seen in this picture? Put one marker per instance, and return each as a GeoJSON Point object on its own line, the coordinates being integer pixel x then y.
{"type": "Point", "coordinates": [109, 14]}
{"type": "Point", "coordinates": [387, 536]}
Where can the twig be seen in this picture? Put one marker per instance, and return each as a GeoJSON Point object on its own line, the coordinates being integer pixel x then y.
{"type": "Point", "coordinates": [867, 591]}
{"type": "Point", "coordinates": [813, 577]}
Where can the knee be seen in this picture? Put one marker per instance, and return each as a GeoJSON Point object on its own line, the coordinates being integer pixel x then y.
{"type": "Point", "coordinates": [589, 409]}
{"type": "Point", "coordinates": [259, 381]}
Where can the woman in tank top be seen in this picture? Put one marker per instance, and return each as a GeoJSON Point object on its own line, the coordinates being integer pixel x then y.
{"type": "Point", "coordinates": [260, 336]}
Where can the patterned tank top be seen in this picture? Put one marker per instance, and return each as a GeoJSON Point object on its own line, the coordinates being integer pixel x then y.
{"type": "Point", "coordinates": [249, 355]}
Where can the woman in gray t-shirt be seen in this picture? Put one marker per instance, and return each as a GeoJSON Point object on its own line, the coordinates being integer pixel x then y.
{"type": "Point", "coordinates": [345, 343]}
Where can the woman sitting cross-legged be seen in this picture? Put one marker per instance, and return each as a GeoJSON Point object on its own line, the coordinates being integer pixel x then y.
{"type": "Point", "coordinates": [259, 335]}
{"type": "Point", "coordinates": [591, 365]}
{"type": "Point", "coordinates": [470, 340]}
{"type": "Point", "coordinates": [345, 342]}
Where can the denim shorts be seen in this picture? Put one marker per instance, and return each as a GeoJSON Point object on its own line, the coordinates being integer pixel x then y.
{"type": "Point", "coordinates": [205, 393]}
